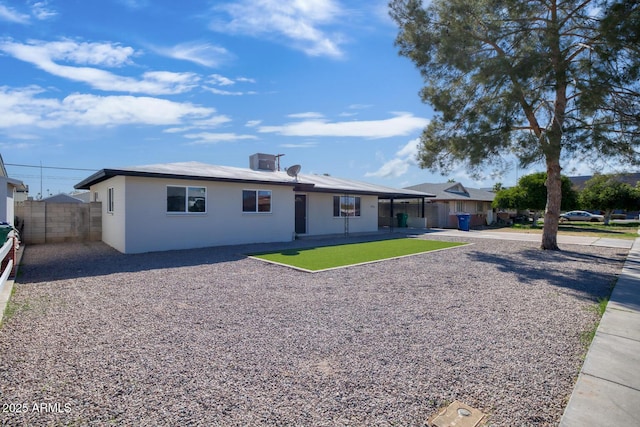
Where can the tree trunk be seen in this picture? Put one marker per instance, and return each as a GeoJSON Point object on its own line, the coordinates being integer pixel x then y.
{"type": "Point", "coordinates": [552, 211]}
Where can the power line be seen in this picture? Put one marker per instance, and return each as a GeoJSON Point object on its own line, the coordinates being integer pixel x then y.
{"type": "Point", "coordinates": [49, 167]}
{"type": "Point", "coordinates": [23, 176]}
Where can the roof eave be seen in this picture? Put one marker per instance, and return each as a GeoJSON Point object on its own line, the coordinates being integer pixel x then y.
{"type": "Point", "coordinates": [105, 174]}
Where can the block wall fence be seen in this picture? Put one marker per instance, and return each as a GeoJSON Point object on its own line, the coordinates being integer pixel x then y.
{"type": "Point", "coordinates": [59, 222]}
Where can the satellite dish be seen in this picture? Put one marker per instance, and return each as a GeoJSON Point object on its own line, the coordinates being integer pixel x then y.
{"type": "Point", "coordinates": [293, 171]}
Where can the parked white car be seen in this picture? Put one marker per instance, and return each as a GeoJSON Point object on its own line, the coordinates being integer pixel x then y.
{"type": "Point", "coordinates": [581, 216]}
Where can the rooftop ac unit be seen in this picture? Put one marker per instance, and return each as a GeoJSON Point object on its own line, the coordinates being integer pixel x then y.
{"type": "Point", "coordinates": [262, 162]}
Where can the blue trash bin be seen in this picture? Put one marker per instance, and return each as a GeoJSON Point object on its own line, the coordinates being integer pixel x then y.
{"type": "Point", "coordinates": [463, 221]}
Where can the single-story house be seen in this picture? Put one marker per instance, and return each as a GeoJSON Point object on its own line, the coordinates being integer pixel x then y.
{"type": "Point", "coordinates": [629, 178]}
{"type": "Point", "coordinates": [61, 198]}
{"type": "Point", "coordinates": [9, 187]}
{"type": "Point", "coordinates": [189, 205]}
{"type": "Point", "coordinates": [452, 198]}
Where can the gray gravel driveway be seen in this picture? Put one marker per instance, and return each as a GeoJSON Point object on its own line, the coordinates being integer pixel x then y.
{"type": "Point", "coordinates": [210, 337]}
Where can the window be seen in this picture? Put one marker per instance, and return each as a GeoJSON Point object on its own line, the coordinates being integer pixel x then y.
{"type": "Point", "coordinates": [346, 206]}
{"type": "Point", "coordinates": [479, 207]}
{"type": "Point", "coordinates": [110, 199]}
{"type": "Point", "coordinates": [256, 201]}
{"type": "Point", "coordinates": [459, 206]}
{"type": "Point", "coordinates": [186, 199]}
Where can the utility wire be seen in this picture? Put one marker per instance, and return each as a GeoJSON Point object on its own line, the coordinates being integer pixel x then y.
{"type": "Point", "coordinates": [49, 167]}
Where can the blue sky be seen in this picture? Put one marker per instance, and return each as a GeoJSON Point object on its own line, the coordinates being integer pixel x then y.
{"type": "Point", "coordinates": [114, 83]}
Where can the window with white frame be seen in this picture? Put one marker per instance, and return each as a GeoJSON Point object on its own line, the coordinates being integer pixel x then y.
{"type": "Point", "coordinates": [110, 202]}
{"type": "Point", "coordinates": [479, 207]}
{"type": "Point", "coordinates": [459, 205]}
{"type": "Point", "coordinates": [256, 201]}
{"type": "Point", "coordinates": [346, 206]}
{"type": "Point", "coordinates": [186, 199]}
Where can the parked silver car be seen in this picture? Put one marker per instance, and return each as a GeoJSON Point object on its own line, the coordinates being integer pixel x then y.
{"type": "Point", "coordinates": [581, 216]}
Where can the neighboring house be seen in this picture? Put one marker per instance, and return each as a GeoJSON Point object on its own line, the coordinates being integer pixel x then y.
{"type": "Point", "coordinates": [190, 205]}
{"type": "Point", "coordinates": [61, 198]}
{"type": "Point", "coordinates": [630, 178]}
{"type": "Point", "coordinates": [452, 198]}
{"type": "Point", "coordinates": [9, 187]}
{"type": "Point", "coordinates": [85, 196]}
{"type": "Point", "coordinates": [633, 179]}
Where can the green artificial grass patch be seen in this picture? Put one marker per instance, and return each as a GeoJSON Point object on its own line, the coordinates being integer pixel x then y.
{"type": "Point", "coordinates": [326, 257]}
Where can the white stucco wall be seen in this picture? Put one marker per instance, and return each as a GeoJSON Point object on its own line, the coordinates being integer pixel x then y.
{"type": "Point", "coordinates": [320, 219]}
{"type": "Point", "coordinates": [148, 227]}
{"type": "Point", "coordinates": [113, 224]}
{"type": "Point", "coordinates": [140, 221]}
{"type": "Point", "coordinates": [6, 201]}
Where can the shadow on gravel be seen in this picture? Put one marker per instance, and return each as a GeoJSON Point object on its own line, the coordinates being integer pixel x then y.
{"type": "Point", "coordinates": [74, 260]}
{"type": "Point", "coordinates": [540, 265]}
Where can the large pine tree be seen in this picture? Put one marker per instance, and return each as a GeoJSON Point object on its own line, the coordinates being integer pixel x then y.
{"type": "Point", "coordinates": [543, 80]}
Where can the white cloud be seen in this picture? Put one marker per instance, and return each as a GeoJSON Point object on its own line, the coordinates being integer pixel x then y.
{"type": "Point", "coordinates": [253, 123]}
{"type": "Point", "coordinates": [401, 124]}
{"type": "Point", "coordinates": [297, 22]}
{"type": "Point", "coordinates": [307, 115]}
{"type": "Point", "coordinates": [217, 91]}
{"type": "Point", "coordinates": [80, 53]}
{"type": "Point", "coordinates": [393, 168]}
{"type": "Point", "coordinates": [204, 138]}
{"type": "Point", "coordinates": [245, 80]}
{"type": "Point", "coordinates": [43, 55]}
{"type": "Point", "coordinates": [217, 79]}
{"type": "Point", "coordinates": [209, 123]}
{"type": "Point", "coordinates": [11, 15]}
{"type": "Point", "coordinates": [300, 145]}
{"type": "Point", "coordinates": [205, 54]}
{"type": "Point", "coordinates": [359, 106]}
{"type": "Point", "coordinates": [399, 165]}
{"type": "Point", "coordinates": [355, 107]}
{"type": "Point", "coordinates": [410, 150]}
{"type": "Point", "coordinates": [41, 10]}
{"type": "Point", "coordinates": [118, 110]}
{"type": "Point", "coordinates": [23, 107]}
{"type": "Point", "coordinates": [24, 136]}
{"type": "Point", "coordinates": [380, 10]}
{"type": "Point", "coordinates": [13, 146]}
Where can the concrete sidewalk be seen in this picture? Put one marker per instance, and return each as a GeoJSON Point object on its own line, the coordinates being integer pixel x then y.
{"type": "Point", "coordinates": [531, 237]}
{"type": "Point", "coordinates": [608, 389]}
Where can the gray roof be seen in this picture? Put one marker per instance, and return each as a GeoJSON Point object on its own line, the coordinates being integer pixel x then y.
{"type": "Point", "coordinates": [454, 191]}
{"type": "Point", "coordinates": [61, 198]}
{"type": "Point", "coordinates": [207, 172]}
{"type": "Point", "coordinates": [630, 178]}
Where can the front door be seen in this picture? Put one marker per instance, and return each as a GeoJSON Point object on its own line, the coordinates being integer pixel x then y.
{"type": "Point", "coordinates": [301, 214]}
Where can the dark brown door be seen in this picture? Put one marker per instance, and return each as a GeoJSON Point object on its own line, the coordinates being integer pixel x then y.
{"type": "Point", "coordinates": [301, 214]}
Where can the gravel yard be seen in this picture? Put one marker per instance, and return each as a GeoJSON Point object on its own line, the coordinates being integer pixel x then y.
{"type": "Point", "coordinates": [209, 337]}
